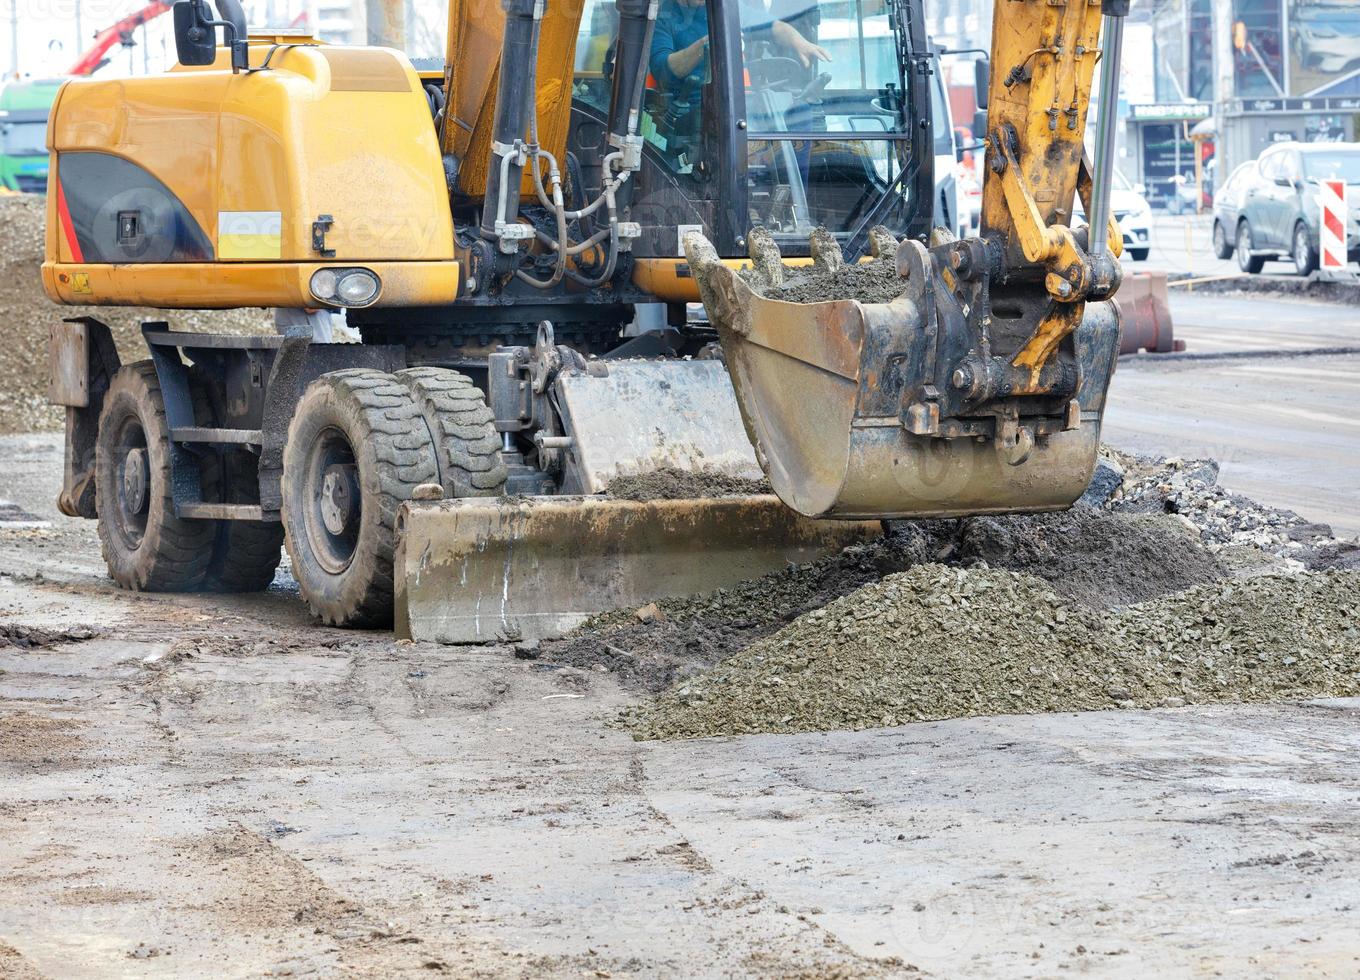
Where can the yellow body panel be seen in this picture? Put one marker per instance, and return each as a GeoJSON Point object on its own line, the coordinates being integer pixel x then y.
{"type": "Point", "coordinates": [255, 158]}
{"type": "Point", "coordinates": [228, 285]}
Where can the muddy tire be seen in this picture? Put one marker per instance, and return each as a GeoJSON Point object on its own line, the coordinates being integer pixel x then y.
{"type": "Point", "coordinates": [146, 547]}
{"type": "Point", "coordinates": [467, 447]}
{"type": "Point", "coordinates": [357, 447]}
{"type": "Point", "coordinates": [245, 554]}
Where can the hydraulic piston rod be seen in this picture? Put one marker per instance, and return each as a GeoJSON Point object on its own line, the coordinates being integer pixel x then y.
{"type": "Point", "coordinates": [1112, 32]}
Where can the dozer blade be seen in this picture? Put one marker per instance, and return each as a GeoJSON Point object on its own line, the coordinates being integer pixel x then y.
{"type": "Point", "coordinates": [842, 399]}
{"type": "Point", "coordinates": [478, 570]}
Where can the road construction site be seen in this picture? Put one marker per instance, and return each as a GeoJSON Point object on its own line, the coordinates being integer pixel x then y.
{"type": "Point", "coordinates": [213, 785]}
{"type": "Point", "coordinates": [1115, 740]}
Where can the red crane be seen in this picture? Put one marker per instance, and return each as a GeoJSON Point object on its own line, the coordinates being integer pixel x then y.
{"type": "Point", "coordinates": [120, 33]}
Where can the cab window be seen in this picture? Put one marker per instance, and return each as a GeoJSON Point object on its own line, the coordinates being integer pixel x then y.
{"type": "Point", "coordinates": [824, 105]}
{"type": "Point", "coordinates": [672, 105]}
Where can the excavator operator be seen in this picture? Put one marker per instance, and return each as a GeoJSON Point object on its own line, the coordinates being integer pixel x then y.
{"type": "Point", "coordinates": [679, 57]}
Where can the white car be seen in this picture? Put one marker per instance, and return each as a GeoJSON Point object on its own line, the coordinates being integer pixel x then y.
{"type": "Point", "coordinates": [1133, 214]}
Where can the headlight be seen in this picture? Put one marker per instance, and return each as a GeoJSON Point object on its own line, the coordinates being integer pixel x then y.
{"type": "Point", "coordinates": [323, 284]}
{"type": "Point", "coordinates": [345, 287]}
{"type": "Point", "coordinates": [357, 288]}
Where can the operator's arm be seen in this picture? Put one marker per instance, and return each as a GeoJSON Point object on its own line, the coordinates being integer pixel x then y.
{"type": "Point", "coordinates": [791, 38]}
{"type": "Point", "coordinates": [669, 62]}
{"type": "Point", "coordinates": [684, 61]}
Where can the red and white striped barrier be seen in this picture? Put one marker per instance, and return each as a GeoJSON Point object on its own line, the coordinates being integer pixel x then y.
{"type": "Point", "coordinates": [1332, 243]}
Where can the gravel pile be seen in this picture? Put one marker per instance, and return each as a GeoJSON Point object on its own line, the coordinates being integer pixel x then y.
{"type": "Point", "coordinates": [875, 281]}
{"type": "Point", "coordinates": [26, 313]}
{"type": "Point", "coordinates": [1090, 557]}
{"type": "Point", "coordinates": [1161, 588]}
{"type": "Point", "coordinates": [1227, 523]}
{"type": "Point", "coordinates": [937, 642]}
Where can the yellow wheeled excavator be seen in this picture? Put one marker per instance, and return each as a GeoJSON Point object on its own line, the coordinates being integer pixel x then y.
{"type": "Point", "coordinates": [522, 237]}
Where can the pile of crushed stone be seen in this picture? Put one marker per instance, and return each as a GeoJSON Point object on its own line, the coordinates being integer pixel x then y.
{"type": "Point", "coordinates": [1150, 531]}
{"type": "Point", "coordinates": [875, 281]}
{"type": "Point", "coordinates": [936, 642]}
{"type": "Point", "coordinates": [26, 312]}
{"type": "Point", "coordinates": [1090, 557]}
{"type": "Point", "coordinates": [673, 484]}
{"type": "Point", "coordinates": [870, 282]}
{"type": "Point", "coordinates": [1238, 530]}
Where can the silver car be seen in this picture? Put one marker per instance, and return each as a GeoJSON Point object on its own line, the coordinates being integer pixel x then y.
{"type": "Point", "coordinates": [1268, 209]}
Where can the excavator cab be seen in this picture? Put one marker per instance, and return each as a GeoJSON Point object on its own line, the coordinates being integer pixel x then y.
{"type": "Point", "coordinates": [801, 116]}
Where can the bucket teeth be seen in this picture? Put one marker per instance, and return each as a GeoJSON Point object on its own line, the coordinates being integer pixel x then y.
{"type": "Point", "coordinates": [882, 243]}
{"type": "Point", "coordinates": [765, 256]}
{"type": "Point", "coordinates": [827, 256]}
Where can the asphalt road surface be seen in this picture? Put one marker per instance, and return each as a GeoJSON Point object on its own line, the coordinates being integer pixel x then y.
{"type": "Point", "coordinates": [1282, 422]}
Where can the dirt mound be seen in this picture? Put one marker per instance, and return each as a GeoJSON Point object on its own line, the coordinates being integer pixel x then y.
{"type": "Point", "coordinates": [1229, 524]}
{"type": "Point", "coordinates": [870, 282]}
{"type": "Point", "coordinates": [1301, 287]}
{"type": "Point", "coordinates": [36, 638]}
{"type": "Point", "coordinates": [937, 642]}
{"type": "Point", "coordinates": [672, 484]}
{"type": "Point", "coordinates": [26, 312]}
{"type": "Point", "coordinates": [1088, 556]}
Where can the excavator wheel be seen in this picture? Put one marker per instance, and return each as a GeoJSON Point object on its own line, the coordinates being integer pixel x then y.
{"type": "Point", "coordinates": [357, 447]}
{"type": "Point", "coordinates": [245, 554]}
{"type": "Point", "coordinates": [147, 548]}
{"type": "Point", "coordinates": [467, 448]}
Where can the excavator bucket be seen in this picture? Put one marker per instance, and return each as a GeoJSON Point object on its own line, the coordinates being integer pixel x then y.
{"type": "Point", "coordinates": [857, 409]}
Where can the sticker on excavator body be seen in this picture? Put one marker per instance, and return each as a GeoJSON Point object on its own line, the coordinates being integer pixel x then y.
{"type": "Point", "coordinates": [249, 235]}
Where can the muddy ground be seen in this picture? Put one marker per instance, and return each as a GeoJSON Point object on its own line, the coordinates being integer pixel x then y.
{"type": "Point", "coordinates": [208, 786]}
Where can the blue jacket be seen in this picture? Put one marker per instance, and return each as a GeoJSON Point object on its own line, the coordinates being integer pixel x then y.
{"type": "Point", "coordinates": [677, 28]}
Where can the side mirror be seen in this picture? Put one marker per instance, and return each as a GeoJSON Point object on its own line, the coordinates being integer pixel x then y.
{"type": "Point", "coordinates": [980, 125]}
{"type": "Point", "coordinates": [982, 79]}
{"type": "Point", "coordinates": [1284, 182]}
{"type": "Point", "coordinates": [1140, 188]}
{"type": "Point", "coordinates": [196, 33]}
{"type": "Point", "coordinates": [195, 41]}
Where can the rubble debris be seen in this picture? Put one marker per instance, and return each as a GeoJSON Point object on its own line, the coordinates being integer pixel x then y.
{"type": "Point", "coordinates": [1226, 522]}
{"type": "Point", "coordinates": [26, 637]}
{"type": "Point", "coordinates": [936, 642]}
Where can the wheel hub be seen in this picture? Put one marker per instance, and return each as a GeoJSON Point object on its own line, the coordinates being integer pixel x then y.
{"type": "Point", "coordinates": [339, 498]}
{"type": "Point", "coordinates": [136, 480]}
